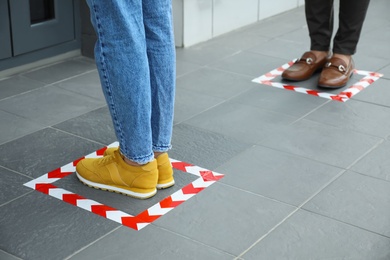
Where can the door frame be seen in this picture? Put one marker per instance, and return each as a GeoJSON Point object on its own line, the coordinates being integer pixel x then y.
{"type": "Point", "coordinates": [27, 37]}
{"type": "Point", "coordinates": [55, 50]}
{"type": "Point", "coordinates": [5, 36]}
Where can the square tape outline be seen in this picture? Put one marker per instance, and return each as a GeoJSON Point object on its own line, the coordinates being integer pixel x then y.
{"type": "Point", "coordinates": [45, 185]}
{"type": "Point", "coordinates": [343, 96]}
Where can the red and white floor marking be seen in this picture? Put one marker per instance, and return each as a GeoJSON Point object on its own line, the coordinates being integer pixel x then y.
{"type": "Point", "coordinates": [45, 185]}
{"type": "Point", "coordinates": [343, 96]}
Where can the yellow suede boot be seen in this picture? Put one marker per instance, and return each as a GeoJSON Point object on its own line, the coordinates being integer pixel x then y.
{"type": "Point", "coordinates": [164, 166]}
{"type": "Point", "coordinates": [112, 173]}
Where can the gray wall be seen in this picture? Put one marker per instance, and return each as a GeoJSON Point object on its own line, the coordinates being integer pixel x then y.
{"type": "Point", "coordinates": [88, 36]}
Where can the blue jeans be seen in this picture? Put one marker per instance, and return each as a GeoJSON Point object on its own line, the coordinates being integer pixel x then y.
{"type": "Point", "coordinates": [135, 57]}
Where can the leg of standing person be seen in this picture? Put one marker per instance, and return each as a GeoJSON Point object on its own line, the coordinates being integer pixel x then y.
{"type": "Point", "coordinates": [340, 68]}
{"type": "Point", "coordinates": [122, 59]}
{"type": "Point", "coordinates": [161, 56]}
{"type": "Point", "coordinates": [160, 48]}
{"type": "Point", "coordinates": [319, 19]}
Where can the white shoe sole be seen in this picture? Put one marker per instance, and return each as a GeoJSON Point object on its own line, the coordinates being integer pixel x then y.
{"type": "Point", "coordinates": [126, 192]}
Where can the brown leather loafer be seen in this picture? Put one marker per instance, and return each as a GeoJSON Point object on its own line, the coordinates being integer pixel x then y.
{"type": "Point", "coordinates": [304, 68]}
{"type": "Point", "coordinates": [336, 73]}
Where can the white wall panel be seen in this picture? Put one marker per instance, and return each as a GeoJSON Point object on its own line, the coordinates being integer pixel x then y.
{"type": "Point", "coordinates": [197, 25]}
{"type": "Point", "coordinates": [269, 8]}
{"type": "Point", "coordinates": [233, 14]}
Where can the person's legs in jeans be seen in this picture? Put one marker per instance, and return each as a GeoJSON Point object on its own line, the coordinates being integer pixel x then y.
{"type": "Point", "coordinates": [123, 66]}
{"type": "Point", "coordinates": [131, 52]}
{"type": "Point", "coordinates": [161, 57]}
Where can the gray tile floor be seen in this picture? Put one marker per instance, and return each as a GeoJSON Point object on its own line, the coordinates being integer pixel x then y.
{"type": "Point", "coordinates": [305, 177]}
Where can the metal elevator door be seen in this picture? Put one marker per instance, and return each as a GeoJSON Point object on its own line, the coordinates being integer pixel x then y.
{"type": "Point", "coordinates": [30, 25]}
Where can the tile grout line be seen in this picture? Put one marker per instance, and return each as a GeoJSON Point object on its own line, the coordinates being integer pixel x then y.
{"type": "Point", "coordinates": [74, 135]}
{"type": "Point", "coordinates": [191, 239]}
{"type": "Point", "coordinates": [14, 199]}
{"type": "Point", "coordinates": [45, 84]}
{"type": "Point", "coordinates": [93, 242]}
{"type": "Point", "coordinates": [310, 198]}
{"type": "Point", "coordinates": [291, 213]}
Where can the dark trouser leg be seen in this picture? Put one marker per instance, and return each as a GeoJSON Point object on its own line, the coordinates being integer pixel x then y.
{"type": "Point", "coordinates": [351, 19]}
{"type": "Point", "coordinates": [319, 18]}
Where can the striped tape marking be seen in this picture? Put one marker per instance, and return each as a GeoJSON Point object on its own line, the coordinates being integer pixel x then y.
{"type": "Point", "coordinates": [45, 185]}
{"type": "Point", "coordinates": [345, 95]}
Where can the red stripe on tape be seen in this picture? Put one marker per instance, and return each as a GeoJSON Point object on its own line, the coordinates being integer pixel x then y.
{"type": "Point", "coordinates": [145, 217]}
{"type": "Point", "coordinates": [57, 173]}
{"type": "Point", "coordinates": [359, 87]}
{"type": "Point", "coordinates": [181, 166]}
{"type": "Point", "coordinates": [289, 87]}
{"type": "Point", "coordinates": [369, 80]}
{"type": "Point", "coordinates": [209, 176]}
{"type": "Point", "coordinates": [72, 198]}
{"type": "Point", "coordinates": [190, 189]}
{"type": "Point", "coordinates": [348, 94]}
{"type": "Point", "coordinates": [266, 82]}
{"type": "Point", "coordinates": [100, 152]}
{"type": "Point", "coordinates": [44, 187]}
{"type": "Point", "coordinates": [169, 203]}
{"type": "Point", "coordinates": [101, 209]}
{"type": "Point", "coordinates": [75, 162]}
{"type": "Point", "coordinates": [312, 92]}
{"type": "Point", "coordinates": [337, 98]}
{"type": "Point", "coordinates": [130, 222]}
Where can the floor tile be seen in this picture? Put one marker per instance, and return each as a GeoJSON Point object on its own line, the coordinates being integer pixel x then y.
{"type": "Point", "coordinates": [240, 40]}
{"type": "Point", "coordinates": [378, 93]}
{"type": "Point", "coordinates": [367, 62]}
{"type": "Point", "coordinates": [278, 150]}
{"type": "Point", "coordinates": [11, 185]}
{"type": "Point", "coordinates": [189, 104]}
{"type": "Point", "coordinates": [215, 83]}
{"type": "Point", "coordinates": [44, 151]}
{"type": "Point", "coordinates": [125, 244]}
{"type": "Point", "coordinates": [245, 123]}
{"type": "Point", "coordinates": [204, 53]}
{"type": "Point", "coordinates": [183, 68]}
{"type": "Point", "coordinates": [60, 71]}
{"type": "Point", "coordinates": [249, 64]}
{"type": "Point", "coordinates": [278, 48]}
{"type": "Point", "coordinates": [7, 256]}
{"type": "Point", "coordinates": [17, 85]}
{"type": "Point", "coordinates": [62, 105]}
{"type": "Point", "coordinates": [279, 100]}
{"type": "Point", "coordinates": [292, 20]}
{"type": "Point", "coordinates": [95, 125]}
{"type": "Point", "coordinates": [13, 127]}
{"type": "Point", "coordinates": [277, 175]}
{"type": "Point", "coordinates": [220, 218]}
{"type": "Point", "coordinates": [323, 143]}
{"type": "Point", "coordinates": [202, 148]}
{"type": "Point", "coordinates": [354, 115]}
{"type": "Point", "coordinates": [87, 84]}
{"type": "Point", "coordinates": [310, 236]}
{"type": "Point", "coordinates": [49, 228]}
{"type": "Point", "coordinates": [386, 72]}
{"type": "Point", "coordinates": [126, 204]}
{"type": "Point", "coordinates": [300, 35]}
{"type": "Point", "coordinates": [376, 163]}
{"type": "Point", "coordinates": [356, 199]}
